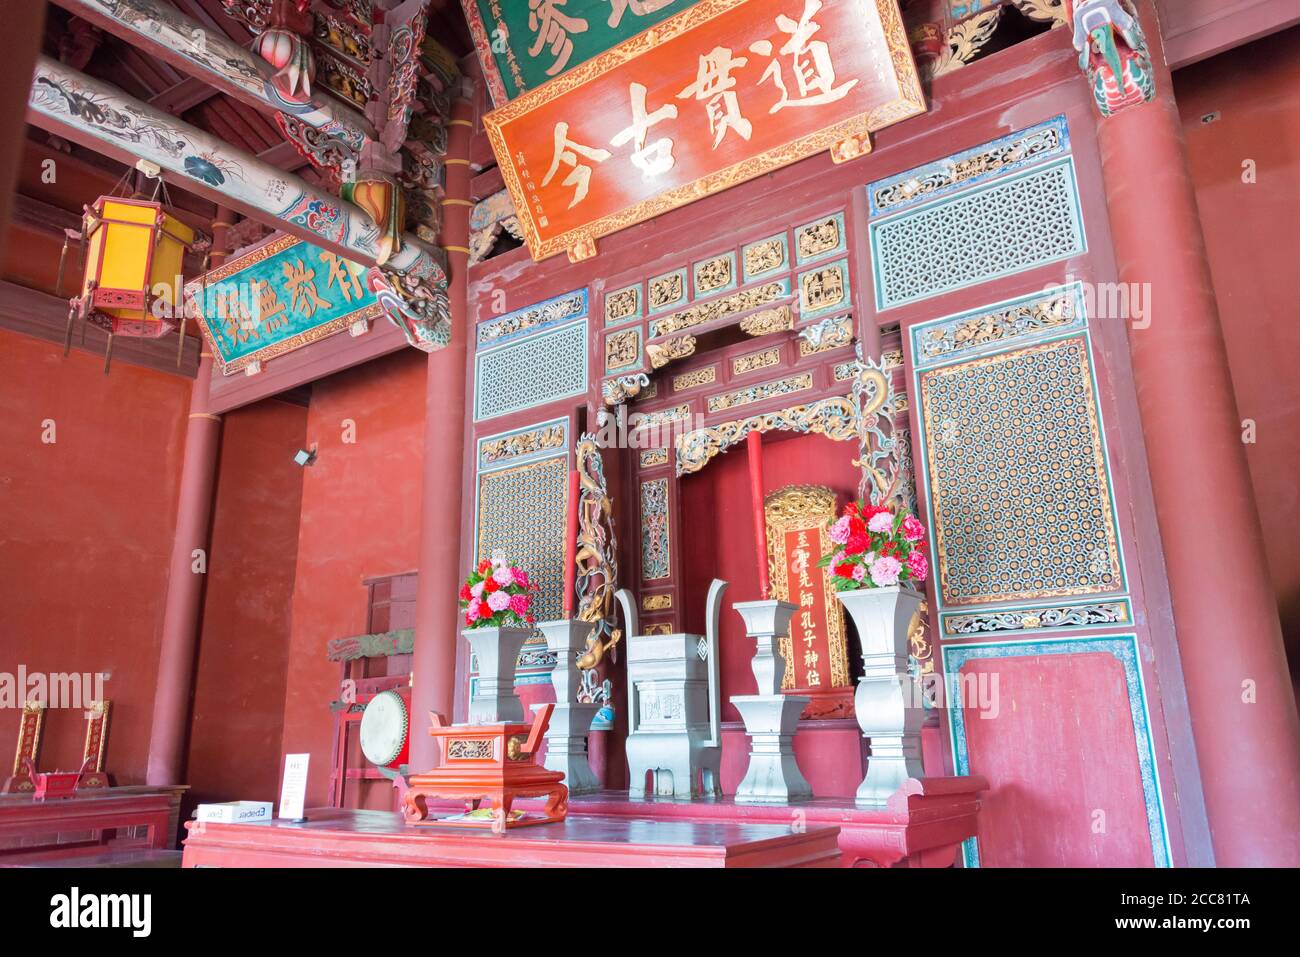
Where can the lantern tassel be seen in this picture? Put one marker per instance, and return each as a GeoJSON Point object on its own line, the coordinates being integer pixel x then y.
{"type": "Point", "coordinates": [67, 333]}
{"type": "Point", "coordinates": [63, 258]}
{"type": "Point", "coordinates": [108, 353]}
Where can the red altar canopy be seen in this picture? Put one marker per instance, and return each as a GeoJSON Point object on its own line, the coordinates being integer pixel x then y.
{"type": "Point", "coordinates": [719, 94]}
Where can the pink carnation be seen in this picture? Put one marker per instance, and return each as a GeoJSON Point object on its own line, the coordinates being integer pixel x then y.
{"type": "Point", "coordinates": [519, 604]}
{"type": "Point", "coordinates": [504, 576]}
{"type": "Point", "coordinates": [884, 571]}
{"type": "Point", "coordinates": [840, 530]}
{"type": "Point", "coordinates": [477, 590]}
{"type": "Point", "coordinates": [918, 566]}
{"type": "Point", "coordinates": [498, 601]}
{"type": "Point", "coordinates": [882, 522]}
{"type": "Point", "coordinates": [913, 530]}
{"type": "Point", "coordinates": [859, 572]}
{"type": "Point", "coordinates": [521, 577]}
{"type": "Point", "coordinates": [471, 611]}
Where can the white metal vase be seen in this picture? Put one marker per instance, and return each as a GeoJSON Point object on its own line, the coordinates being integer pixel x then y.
{"type": "Point", "coordinates": [887, 699]}
{"type": "Point", "coordinates": [496, 650]}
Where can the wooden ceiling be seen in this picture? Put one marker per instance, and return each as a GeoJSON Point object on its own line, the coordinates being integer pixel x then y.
{"type": "Point", "coordinates": [109, 58]}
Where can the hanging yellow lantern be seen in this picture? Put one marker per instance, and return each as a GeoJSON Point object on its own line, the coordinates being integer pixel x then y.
{"type": "Point", "coordinates": [134, 252]}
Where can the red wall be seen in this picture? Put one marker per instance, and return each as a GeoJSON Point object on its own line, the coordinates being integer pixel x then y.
{"type": "Point", "coordinates": [360, 519]}
{"type": "Point", "coordinates": [716, 508]}
{"type": "Point", "coordinates": [85, 534]}
{"type": "Point", "coordinates": [1252, 232]}
{"type": "Point", "coordinates": [234, 748]}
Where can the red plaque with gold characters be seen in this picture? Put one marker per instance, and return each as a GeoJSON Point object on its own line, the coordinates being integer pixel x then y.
{"type": "Point", "coordinates": [816, 650]}
{"type": "Point", "coordinates": [724, 91]}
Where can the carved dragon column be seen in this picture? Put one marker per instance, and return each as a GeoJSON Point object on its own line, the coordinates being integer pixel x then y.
{"type": "Point", "coordinates": [1242, 706]}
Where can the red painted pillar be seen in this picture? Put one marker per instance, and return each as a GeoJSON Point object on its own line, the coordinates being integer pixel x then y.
{"type": "Point", "coordinates": [23, 26]}
{"type": "Point", "coordinates": [1239, 693]}
{"type": "Point", "coordinates": [180, 630]}
{"type": "Point", "coordinates": [436, 612]}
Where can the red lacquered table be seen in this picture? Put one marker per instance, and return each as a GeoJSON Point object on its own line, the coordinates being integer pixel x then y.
{"type": "Point", "coordinates": [106, 819]}
{"type": "Point", "coordinates": [336, 837]}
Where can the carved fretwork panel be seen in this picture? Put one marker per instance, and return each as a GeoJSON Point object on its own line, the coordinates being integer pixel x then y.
{"type": "Point", "coordinates": [1017, 470]}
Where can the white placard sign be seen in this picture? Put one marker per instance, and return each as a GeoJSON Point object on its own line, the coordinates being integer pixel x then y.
{"type": "Point", "coordinates": [293, 792]}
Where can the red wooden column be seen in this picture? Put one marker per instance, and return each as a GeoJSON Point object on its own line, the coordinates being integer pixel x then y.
{"type": "Point", "coordinates": [436, 613]}
{"type": "Point", "coordinates": [1234, 664]}
{"type": "Point", "coordinates": [23, 26]}
{"type": "Point", "coordinates": [180, 630]}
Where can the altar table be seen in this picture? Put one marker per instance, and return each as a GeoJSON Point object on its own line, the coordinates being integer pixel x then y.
{"type": "Point", "coordinates": [97, 821]}
{"type": "Point", "coordinates": [923, 825]}
{"type": "Point", "coordinates": [338, 837]}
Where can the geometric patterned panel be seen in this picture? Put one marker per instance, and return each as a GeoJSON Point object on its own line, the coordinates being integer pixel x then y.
{"type": "Point", "coordinates": [1020, 496]}
{"type": "Point", "coordinates": [521, 511]}
{"type": "Point", "coordinates": [533, 371]}
{"type": "Point", "coordinates": [995, 230]}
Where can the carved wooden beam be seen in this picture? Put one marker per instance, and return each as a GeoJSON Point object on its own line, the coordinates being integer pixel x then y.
{"type": "Point", "coordinates": [42, 316]}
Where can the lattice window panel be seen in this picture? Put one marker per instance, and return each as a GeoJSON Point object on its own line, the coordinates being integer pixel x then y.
{"type": "Point", "coordinates": [536, 370]}
{"type": "Point", "coordinates": [996, 230]}
{"type": "Point", "coordinates": [1019, 492]}
{"type": "Point", "coordinates": [521, 511]}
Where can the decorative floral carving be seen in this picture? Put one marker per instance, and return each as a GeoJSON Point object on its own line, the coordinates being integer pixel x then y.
{"type": "Point", "coordinates": [780, 319]}
{"type": "Point", "coordinates": [818, 238]}
{"type": "Point", "coordinates": [1054, 311]}
{"type": "Point", "coordinates": [667, 290]}
{"type": "Point", "coordinates": [521, 443]}
{"type": "Point", "coordinates": [1051, 11]}
{"type": "Point", "coordinates": [623, 304]}
{"type": "Point", "coordinates": [622, 349]}
{"type": "Point", "coordinates": [965, 40]}
{"type": "Point", "coordinates": [716, 309]}
{"type": "Point", "coordinates": [713, 274]}
{"type": "Point", "coordinates": [662, 353]}
{"type": "Point", "coordinates": [764, 256]}
{"type": "Point", "coordinates": [597, 552]}
{"type": "Point", "coordinates": [654, 457]}
{"type": "Point", "coordinates": [698, 377]}
{"type": "Point", "coordinates": [619, 390]}
{"type": "Point", "coordinates": [759, 393]}
{"type": "Point", "coordinates": [1000, 156]}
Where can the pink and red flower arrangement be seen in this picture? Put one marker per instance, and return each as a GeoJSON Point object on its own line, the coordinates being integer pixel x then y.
{"type": "Point", "coordinates": [876, 547]}
{"type": "Point", "coordinates": [496, 594]}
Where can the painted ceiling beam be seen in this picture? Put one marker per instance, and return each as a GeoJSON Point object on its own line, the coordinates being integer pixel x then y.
{"type": "Point", "coordinates": [411, 285]}
{"type": "Point", "coordinates": [101, 117]}
{"type": "Point", "coordinates": [163, 31]}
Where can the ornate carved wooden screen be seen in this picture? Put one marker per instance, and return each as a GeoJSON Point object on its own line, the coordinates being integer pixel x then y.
{"type": "Point", "coordinates": [1017, 475]}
